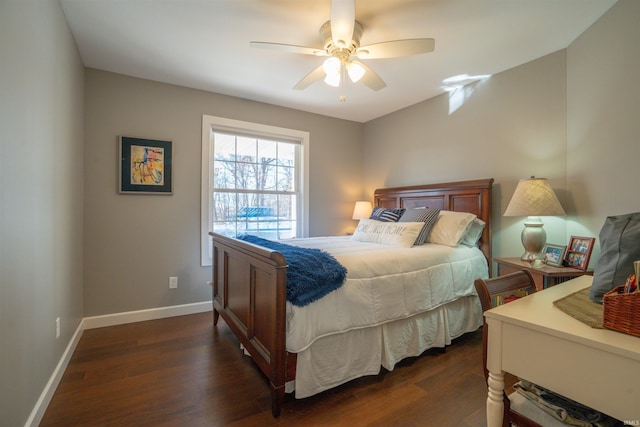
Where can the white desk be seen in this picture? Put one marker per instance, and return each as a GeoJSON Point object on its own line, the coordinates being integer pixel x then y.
{"type": "Point", "coordinates": [533, 339]}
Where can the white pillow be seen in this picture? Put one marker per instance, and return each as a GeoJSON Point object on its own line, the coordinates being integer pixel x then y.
{"type": "Point", "coordinates": [401, 234]}
{"type": "Point", "coordinates": [450, 228]}
{"type": "Point", "coordinates": [473, 234]}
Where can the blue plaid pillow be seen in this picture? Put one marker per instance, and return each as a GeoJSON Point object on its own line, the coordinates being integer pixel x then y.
{"type": "Point", "coordinates": [386, 215]}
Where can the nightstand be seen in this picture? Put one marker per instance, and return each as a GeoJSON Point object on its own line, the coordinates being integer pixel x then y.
{"type": "Point", "coordinates": [545, 276]}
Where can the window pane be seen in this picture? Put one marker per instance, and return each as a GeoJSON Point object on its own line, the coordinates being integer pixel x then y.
{"type": "Point", "coordinates": [287, 154]}
{"type": "Point", "coordinates": [224, 212]}
{"type": "Point", "coordinates": [255, 215]}
{"type": "Point", "coordinates": [246, 176]}
{"type": "Point", "coordinates": [286, 179]}
{"type": "Point", "coordinates": [266, 174]}
{"type": "Point", "coordinates": [267, 150]}
{"type": "Point", "coordinates": [225, 146]}
{"type": "Point", "coordinates": [268, 177]}
{"type": "Point", "coordinates": [287, 206]}
{"type": "Point", "coordinates": [224, 174]}
{"type": "Point", "coordinates": [246, 149]}
{"type": "Point", "coordinates": [246, 201]}
{"type": "Point", "coordinates": [224, 206]}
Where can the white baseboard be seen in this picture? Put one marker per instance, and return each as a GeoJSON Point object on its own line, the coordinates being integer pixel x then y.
{"type": "Point", "coordinates": [149, 314]}
{"type": "Point", "coordinates": [50, 388]}
{"type": "Point", "coordinates": [98, 322]}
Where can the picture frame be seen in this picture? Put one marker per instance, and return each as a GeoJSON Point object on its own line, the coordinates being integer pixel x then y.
{"type": "Point", "coordinates": [145, 166]}
{"type": "Point", "coordinates": [579, 252]}
{"type": "Point", "coordinates": [554, 254]}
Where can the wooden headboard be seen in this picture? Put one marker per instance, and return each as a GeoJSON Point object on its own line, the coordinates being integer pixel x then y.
{"type": "Point", "coordinates": [463, 196]}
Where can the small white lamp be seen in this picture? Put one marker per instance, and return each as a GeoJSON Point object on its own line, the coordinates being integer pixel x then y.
{"type": "Point", "coordinates": [534, 198]}
{"type": "Point", "coordinates": [362, 210]}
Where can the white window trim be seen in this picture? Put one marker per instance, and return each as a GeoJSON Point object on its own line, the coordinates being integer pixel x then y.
{"type": "Point", "coordinates": [210, 123]}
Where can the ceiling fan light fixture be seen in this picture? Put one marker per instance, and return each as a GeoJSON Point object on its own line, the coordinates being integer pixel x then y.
{"type": "Point", "coordinates": [331, 66]}
{"type": "Point", "coordinates": [333, 79]}
{"type": "Point", "coordinates": [355, 71]}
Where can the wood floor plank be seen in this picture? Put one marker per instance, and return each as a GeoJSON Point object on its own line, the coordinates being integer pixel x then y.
{"type": "Point", "coordinates": [184, 371]}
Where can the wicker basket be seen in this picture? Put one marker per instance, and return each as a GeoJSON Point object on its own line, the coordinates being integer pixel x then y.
{"type": "Point", "coordinates": [622, 311]}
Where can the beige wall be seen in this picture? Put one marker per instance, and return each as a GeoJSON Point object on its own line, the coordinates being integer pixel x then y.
{"type": "Point", "coordinates": [41, 140]}
{"type": "Point", "coordinates": [512, 126]}
{"type": "Point", "coordinates": [603, 120]}
{"type": "Point", "coordinates": [571, 116]}
{"type": "Point", "coordinates": [133, 243]}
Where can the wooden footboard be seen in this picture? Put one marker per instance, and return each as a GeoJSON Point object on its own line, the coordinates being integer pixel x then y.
{"type": "Point", "coordinates": [249, 292]}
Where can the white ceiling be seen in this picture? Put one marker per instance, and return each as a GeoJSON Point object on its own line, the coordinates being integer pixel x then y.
{"type": "Point", "coordinates": [204, 44]}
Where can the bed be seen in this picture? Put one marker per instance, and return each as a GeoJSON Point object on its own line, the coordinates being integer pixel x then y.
{"type": "Point", "coordinates": [249, 293]}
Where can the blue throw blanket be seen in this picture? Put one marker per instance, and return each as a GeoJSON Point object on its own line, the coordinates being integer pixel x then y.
{"type": "Point", "coordinates": [311, 274]}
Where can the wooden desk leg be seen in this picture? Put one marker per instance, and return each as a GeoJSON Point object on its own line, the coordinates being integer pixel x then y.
{"type": "Point", "coordinates": [495, 405]}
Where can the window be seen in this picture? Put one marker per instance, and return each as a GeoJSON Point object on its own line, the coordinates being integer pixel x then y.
{"type": "Point", "coordinates": [255, 189]}
{"type": "Point", "coordinates": [253, 181]}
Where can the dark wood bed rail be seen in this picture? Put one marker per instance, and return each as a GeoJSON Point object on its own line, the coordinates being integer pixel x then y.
{"type": "Point", "coordinates": [249, 281]}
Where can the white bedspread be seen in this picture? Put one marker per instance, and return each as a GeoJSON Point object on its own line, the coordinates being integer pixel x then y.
{"type": "Point", "coordinates": [383, 284]}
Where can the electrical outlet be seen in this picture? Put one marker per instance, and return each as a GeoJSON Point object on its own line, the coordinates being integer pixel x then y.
{"type": "Point", "coordinates": [57, 327]}
{"type": "Point", "coordinates": [173, 282]}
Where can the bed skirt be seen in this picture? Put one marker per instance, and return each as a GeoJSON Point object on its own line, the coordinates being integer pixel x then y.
{"type": "Point", "coordinates": [337, 359]}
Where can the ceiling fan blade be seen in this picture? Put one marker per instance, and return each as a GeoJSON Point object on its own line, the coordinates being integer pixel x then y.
{"type": "Point", "coordinates": [289, 48]}
{"type": "Point", "coordinates": [315, 75]}
{"type": "Point", "coordinates": [370, 78]}
{"type": "Point", "coordinates": [396, 48]}
{"type": "Point", "coordinates": [343, 18]}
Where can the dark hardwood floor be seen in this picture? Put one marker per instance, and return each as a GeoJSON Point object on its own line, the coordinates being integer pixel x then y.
{"type": "Point", "coordinates": [183, 371]}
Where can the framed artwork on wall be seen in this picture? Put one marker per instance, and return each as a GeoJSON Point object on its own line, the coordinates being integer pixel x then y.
{"type": "Point", "coordinates": [146, 166]}
{"type": "Point", "coordinates": [579, 252]}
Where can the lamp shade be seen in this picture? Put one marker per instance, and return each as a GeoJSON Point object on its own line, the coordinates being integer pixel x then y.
{"type": "Point", "coordinates": [362, 210]}
{"type": "Point", "coordinates": [534, 197]}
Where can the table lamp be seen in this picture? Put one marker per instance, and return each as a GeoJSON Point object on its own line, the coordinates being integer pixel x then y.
{"type": "Point", "coordinates": [362, 210]}
{"type": "Point", "coordinates": [534, 198]}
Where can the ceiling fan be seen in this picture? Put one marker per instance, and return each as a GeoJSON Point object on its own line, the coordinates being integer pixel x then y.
{"type": "Point", "coordinates": [341, 44]}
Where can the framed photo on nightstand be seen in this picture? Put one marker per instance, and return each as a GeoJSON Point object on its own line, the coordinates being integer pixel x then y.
{"type": "Point", "coordinates": [579, 252]}
{"type": "Point", "coordinates": [553, 254]}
